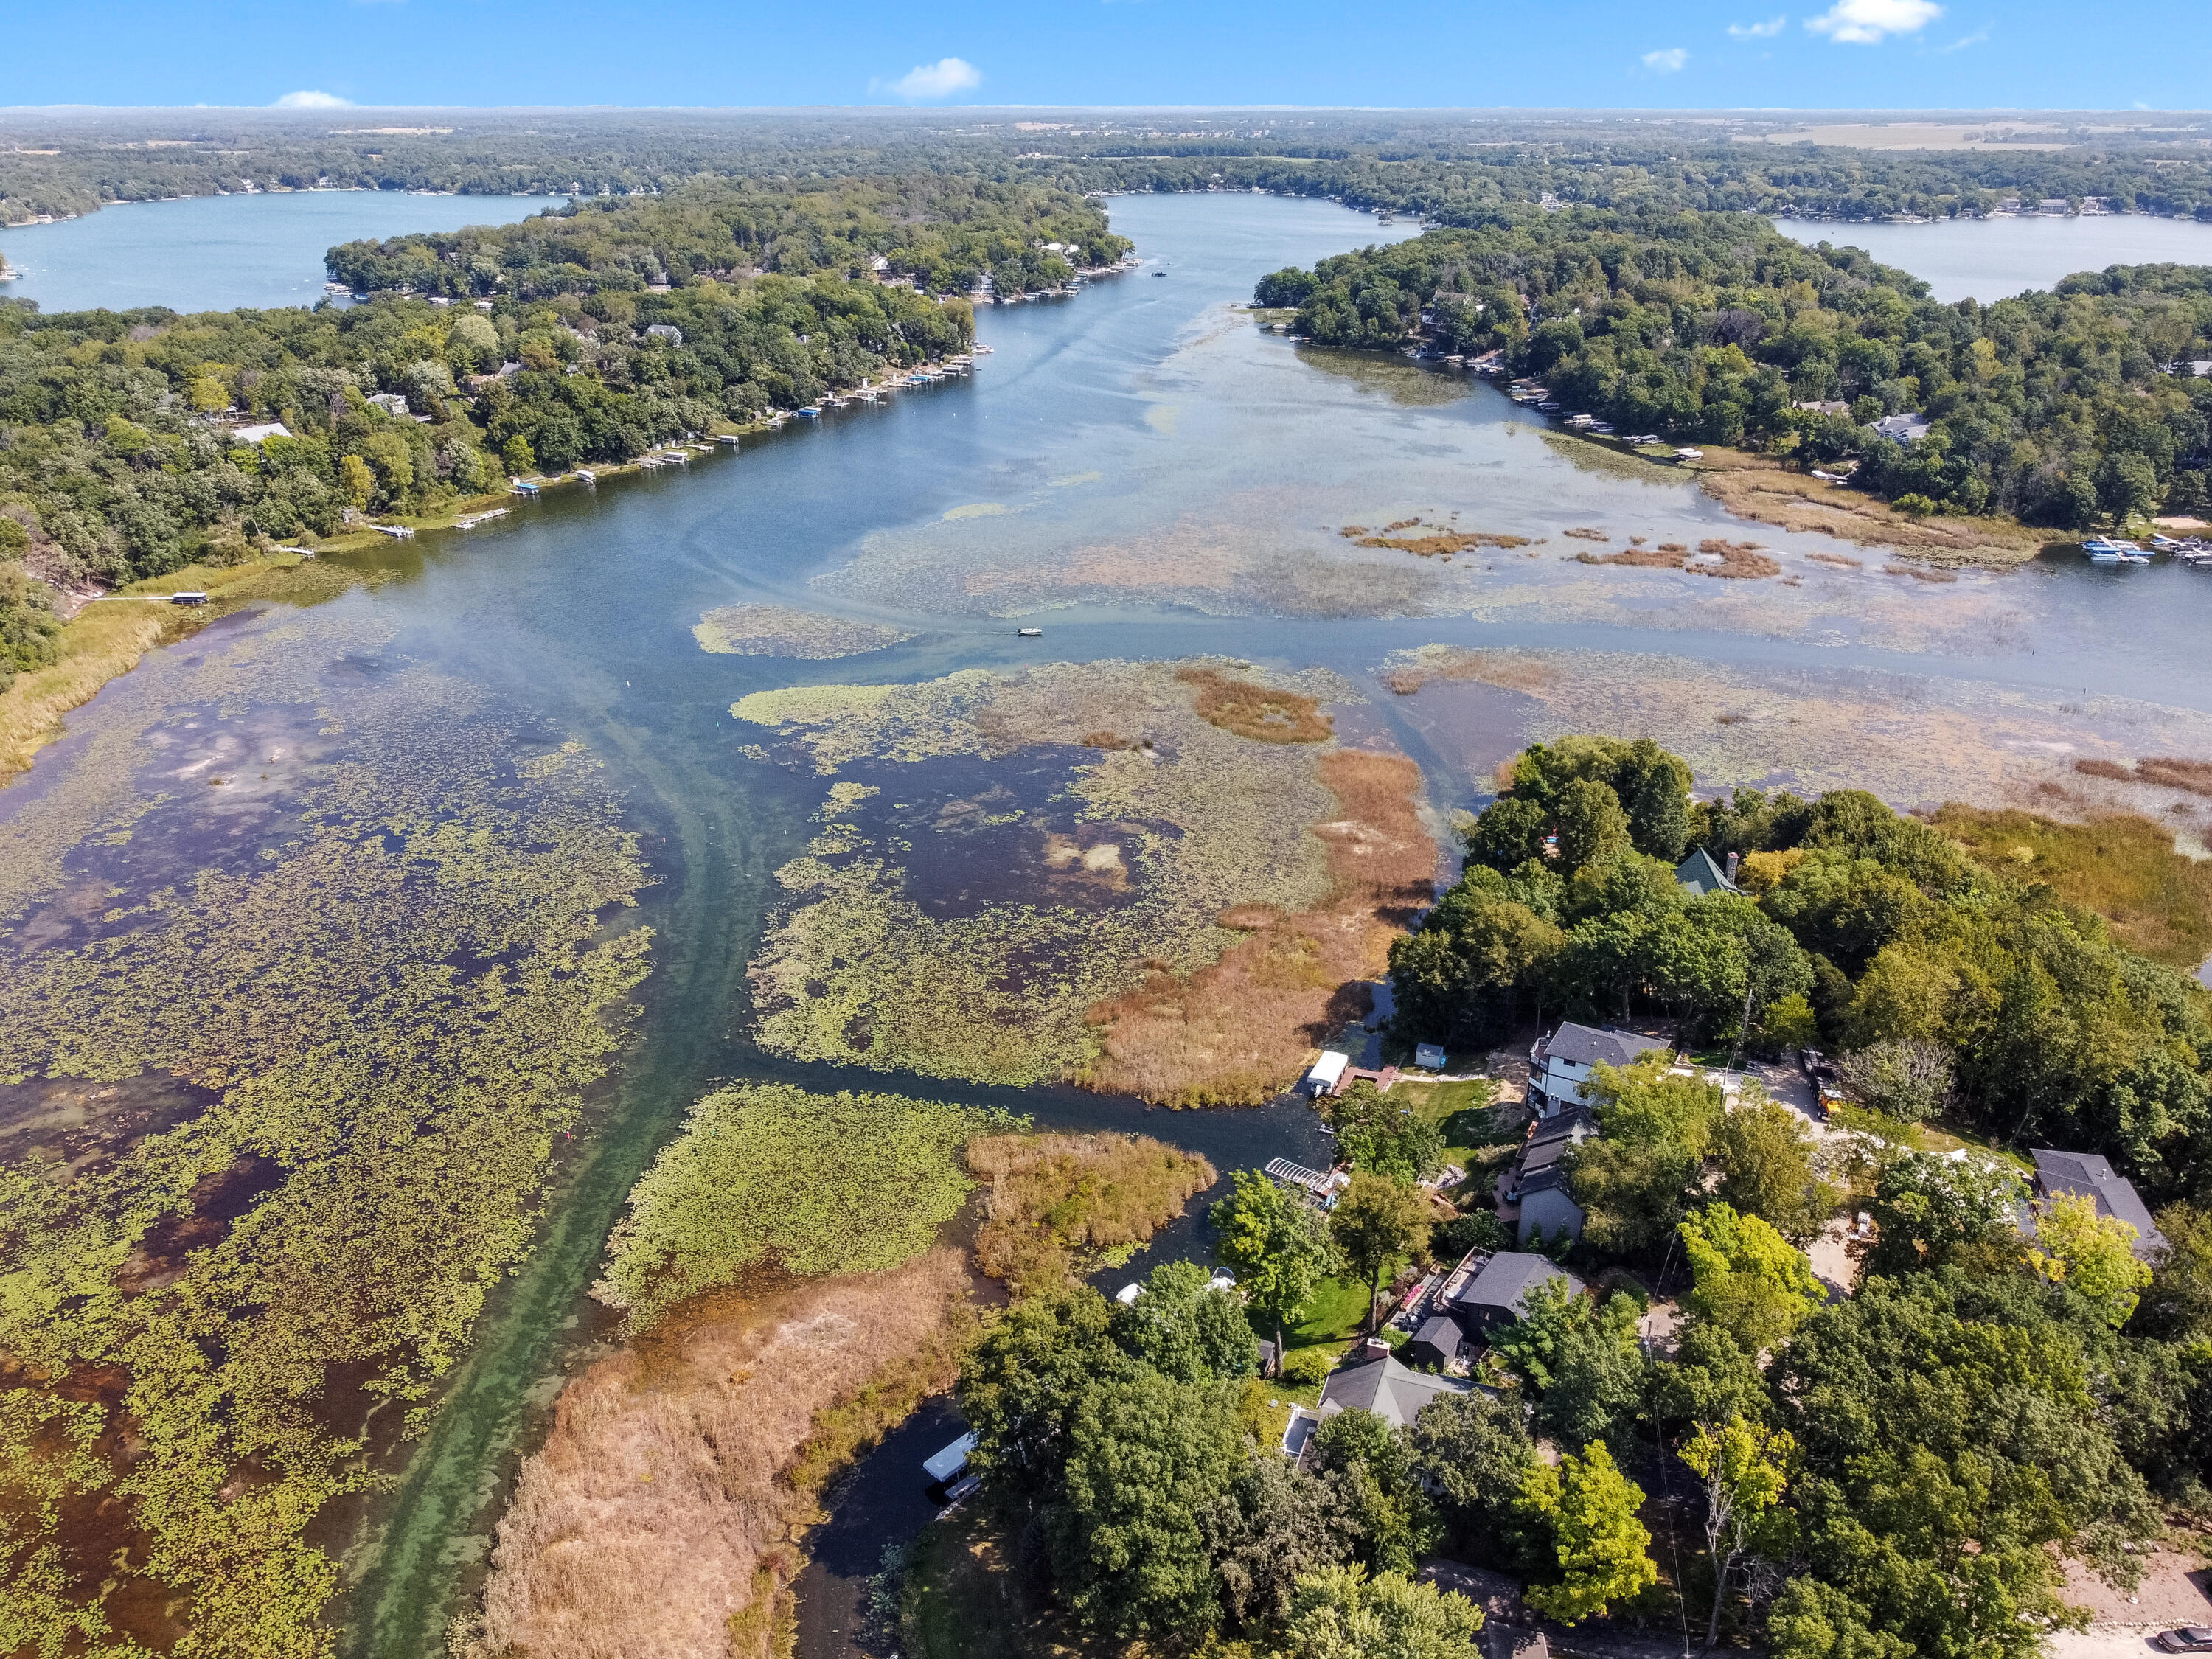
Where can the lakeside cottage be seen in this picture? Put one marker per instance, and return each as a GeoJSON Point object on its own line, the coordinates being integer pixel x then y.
{"type": "Point", "coordinates": [1703, 877]}
{"type": "Point", "coordinates": [1497, 1296]}
{"type": "Point", "coordinates": [1561, 1063]}
{"type": "Point", "coordinates": [2086, 1175]}
{"type": "Point", "coordinates": [1538, 1185]}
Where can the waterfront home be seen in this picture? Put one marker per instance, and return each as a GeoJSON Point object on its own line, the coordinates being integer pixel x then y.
{"type": "Point", "coordinates": [1908, 430]}
{"type": "Point", "coordinates": [1393, 1392]}
{"type": "Point", "coordinates": [2086, 1175]}
{"type": "Point", "coordinates": [260, 434]}
{"type": "Point", "coordinates": [1499, 1295]}
{"type": "Point", "coordinates": [1561, 1063]}
{"type": "Point", "coordinates": [1701, 878]}
{"type": "Point", "coordinates": [1825, 406]}
{"type": "Point", "coordinates": [667, 331]}
{"type": "Point", "coordinates": [1438, 1342]}
{"type": "Point", "coordinates": [1537, 1188]}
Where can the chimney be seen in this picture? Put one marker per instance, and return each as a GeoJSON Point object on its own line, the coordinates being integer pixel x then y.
{"type": "Point", "coordinates": [1731, 869]}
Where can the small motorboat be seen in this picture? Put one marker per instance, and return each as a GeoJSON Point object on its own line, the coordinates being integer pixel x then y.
{"type": "Point", "coordinates": [1030, 633]}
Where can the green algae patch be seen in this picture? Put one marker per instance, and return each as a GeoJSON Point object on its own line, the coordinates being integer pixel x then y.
{"type": "Point", "coordinates": [362, 915]}
{"type": "Point", "coordinates": [1007, 869]}
{"type": "Point", "coordinates": [777, 630]}
{"type": "Point", "coordinates": [765, 1174]}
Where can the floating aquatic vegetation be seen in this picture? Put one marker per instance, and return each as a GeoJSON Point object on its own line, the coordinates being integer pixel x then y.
{"type": "Point", "coordinates": [1408, 385]}
{"type": "Point", "coordinates": [1910, 740]}
{"type": "Point", "coordinates": [972, 936]}
{"type": "Point", "coordinates": [765, 1173]}
{"type": "Point", "coordinates": [383, 969]}
{"type": "Point", "coordinates": [778, 630]}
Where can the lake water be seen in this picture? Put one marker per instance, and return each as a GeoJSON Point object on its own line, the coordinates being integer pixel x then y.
{"type": "Point", "coordinates": [1143, 473]}
{"type": "Point", "coordinates": [1988, 259]}
{"type": "Point", "coordinates": [219, 252]}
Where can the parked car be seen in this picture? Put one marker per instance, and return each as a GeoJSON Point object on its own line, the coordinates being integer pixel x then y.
{"type": "Point", "coordinates": [2189, 1638]}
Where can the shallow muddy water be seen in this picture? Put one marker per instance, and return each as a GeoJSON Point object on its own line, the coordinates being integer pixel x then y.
{"type": "Point", "coordinates": [1145, 475]}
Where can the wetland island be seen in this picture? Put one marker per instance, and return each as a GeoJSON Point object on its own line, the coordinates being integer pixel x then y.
{"type": "Point", "coordinates": [1485, 928]}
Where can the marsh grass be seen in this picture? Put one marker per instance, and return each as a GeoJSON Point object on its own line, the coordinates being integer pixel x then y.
{"type": "Point", "coordinates": [107, 638]}
{"type": "Point", "coordinates": [2159, 900]}
{"type": "Point", "coordinates": [662, 1514]}
{"type": "Point", "coordinates": [1058, 1208]}
{"type": "Point", "coordinates": [1758, 486]}
{"type": "Point", "coordinates": [1240, 1030]}
{"type": "Point", "coordinates": [1442, 539]}
{"type": "Point", "coordinates": [1264, 713]}
{"type": "Point", "coordinates": [2192, 777]}
{"type": "Point", "coordinates": [768, 1173]}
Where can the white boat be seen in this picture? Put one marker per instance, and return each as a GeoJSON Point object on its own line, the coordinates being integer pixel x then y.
{"type": "Point", "coordinates": [1030, 633]}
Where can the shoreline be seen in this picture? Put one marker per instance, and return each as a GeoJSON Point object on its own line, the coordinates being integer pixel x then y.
{"type": "Point", "coordinates": [102, 639]}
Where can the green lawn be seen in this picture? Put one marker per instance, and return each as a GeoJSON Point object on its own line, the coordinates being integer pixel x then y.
{"type": "Point", "coordinates": [1462, 1111]}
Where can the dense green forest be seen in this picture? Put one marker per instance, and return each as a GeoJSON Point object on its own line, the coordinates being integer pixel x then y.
{"type": "Point", "coordinates": [943, 232]}
{"type": "Point", "coordinates": [1859, 930]}
{"type": "Point", "coordinates": [1713, 326]}
{"type": "Point", "coordinates": [115, 462]}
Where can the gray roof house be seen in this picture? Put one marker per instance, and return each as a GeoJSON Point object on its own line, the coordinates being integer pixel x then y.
{"type": "Point", "coordinates": [1539, 1182]}
{"type": "Point", "coordinates": [1902, 429]}
{"type": "Point", "coordinates": [2086, 1175]}
{"type": "Point", "coordinates": [1436, 1343]}
{"type": "Point", "coordinates": [1703, 877]}
{"type": "Point", "coordinates": [1561, 1063]}
{"type": "Point", "coordinates": [1388, 1389]}
{"type": "Point", "coordinates": [1499, 1295]}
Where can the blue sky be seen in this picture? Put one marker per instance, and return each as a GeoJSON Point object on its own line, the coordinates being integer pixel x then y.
{"type": "Point", "coordinates": [1889, 54]}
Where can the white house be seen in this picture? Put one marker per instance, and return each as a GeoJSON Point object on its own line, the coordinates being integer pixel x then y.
{"type": "Point", "coordinates": [1561, 1063]}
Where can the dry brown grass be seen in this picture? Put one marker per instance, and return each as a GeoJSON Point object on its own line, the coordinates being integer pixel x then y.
{"type": "Point", "coordinates": [1059, 1204]}
{"type": "Point", "coordinates": [1842, 560]}
{"type": "Point", "coordinates": [1508, 669]}
{"type": "Point", "coordinates": [1919, 573]}
{"type": "Point", "coordinates": [1237, 1032]}
{"type": "Point", "coordinates": [1640, 558]}
{"type": "Point", "coordinates": [2195, 776]}
{"type": "Point", "coordinates": [2105, 769]}
{"type": "Point", "coordinates": [1584, 532]}
{"type": "Point", "coordinates": [1441, 539]}
{"type": "Point", "coordinates": [660, 1519]}
{"type": "Point", "coordinates": [1263, 713]}
{"type": "Point", "coordinates": [1758, 486]}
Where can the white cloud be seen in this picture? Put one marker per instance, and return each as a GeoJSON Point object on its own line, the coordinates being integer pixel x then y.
{"type": "Point", "coordinates": [1667, 60]}
{"type": "Point", "coordinates": [1766, 31]}
{"type": "Point", "coordinates": [939, 80]}
{"type": "Point", "coordinates": [311, 101]}
{"type": "Point", "coordinates": [1966, 40]}
{"type": "Point", "coordinates": [1863, 23]}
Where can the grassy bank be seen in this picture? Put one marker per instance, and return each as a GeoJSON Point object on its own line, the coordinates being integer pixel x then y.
{"type": "Point", "coordinates": [107, 638]}
{"type": "Point", "coordinates": [1760, 488]}
{"type": "Point", "coordinates": [2125, 867]}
